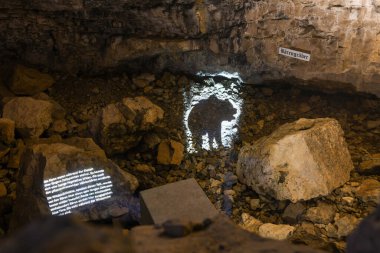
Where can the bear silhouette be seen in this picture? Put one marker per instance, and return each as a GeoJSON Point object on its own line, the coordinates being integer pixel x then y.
{"type": "Point", "coordinates": [206, 118]}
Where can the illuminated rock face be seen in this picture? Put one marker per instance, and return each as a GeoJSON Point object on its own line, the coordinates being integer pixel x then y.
{"type": "Point", "coordinates": [73, 177]}
{"type": "Point", "coordinates": [342, 38]}
{"type": "Point", "coordinates": [212, 111]}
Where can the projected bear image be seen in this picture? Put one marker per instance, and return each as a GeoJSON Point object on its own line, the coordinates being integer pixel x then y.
{"type": "Point", "coordinates": [206, 117]}
{"type": "Point", "coordinates": [212, 110]}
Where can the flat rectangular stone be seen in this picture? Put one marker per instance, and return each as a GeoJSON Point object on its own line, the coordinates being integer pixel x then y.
{"type": "Point", "coordinates": [184, 200]}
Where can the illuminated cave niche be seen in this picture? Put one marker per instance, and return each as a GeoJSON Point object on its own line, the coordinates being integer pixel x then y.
{"type": "Point", "coordinates": [227, 89]}
{"type": "Point", "coordinates": [76, 189]}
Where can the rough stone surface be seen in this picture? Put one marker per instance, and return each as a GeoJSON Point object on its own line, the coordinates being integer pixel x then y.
{"type": "Point", "coordinates": [346, 224]}
{"type": "Point", "coordinates": [276, 232]}
{"type": "Point", "coordinates": [28, 81]}
{"type": "Point", "coordinates": [322, 214]}
{"type": "Point", "coordinates": [45, 161]}
{"type": "Point", "coordinates": [366, 237]}
{"type": "Point", "coordinates": [250, 223]}
{"type": "Point", "coordinates": [121, 126]}
{"type": "Point", "coordinates": [7, 130]}
{"type": "Point", "coordinates": [182, 200]}
{"type": "Point", "coordinates": [371, 164]}
{"type": "Point", "coordinates": [299, 161]}
{"type": "Point", "coordinates": [202, 36]}
{"type": "Point", "coordinates": [31, 116]}
{"type": "Point", "coordinates": [64, 234]}
{"type": "Point", "coordinates": [220, 236]}
{"type": "Point", "coordinates": [3, 190]}
{"type": "Point", "coordinates": [170, 152]}
{"type": "Point", "coordinates": [293, 212]}
{"type": "Point", "coordinates": [369, 191]}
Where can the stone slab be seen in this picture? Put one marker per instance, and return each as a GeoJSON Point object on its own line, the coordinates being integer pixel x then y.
{"type": "Point", "coordinates": [184, 200]}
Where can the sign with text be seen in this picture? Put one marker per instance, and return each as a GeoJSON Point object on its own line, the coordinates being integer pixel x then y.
{"type": "Point", "coordinates": [294, 54]}
{"type": "Point", "coordinates": [77, 189]}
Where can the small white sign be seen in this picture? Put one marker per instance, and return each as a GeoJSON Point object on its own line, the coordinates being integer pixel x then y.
{"type": "Point", "coordinates": [294, 54]}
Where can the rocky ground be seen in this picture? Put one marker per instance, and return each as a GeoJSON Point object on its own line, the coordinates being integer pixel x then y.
{"type": "Point", "coordinates": [323, 222]}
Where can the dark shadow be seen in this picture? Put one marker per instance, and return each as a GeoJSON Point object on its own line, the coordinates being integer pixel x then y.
{"type": "Point", "coordinates": [206, 118]}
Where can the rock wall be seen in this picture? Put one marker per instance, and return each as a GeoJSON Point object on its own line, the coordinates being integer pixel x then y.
{"type": "Point", "coordinates": [89, 36]}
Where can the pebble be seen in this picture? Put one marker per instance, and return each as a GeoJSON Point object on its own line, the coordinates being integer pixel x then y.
{"type": "Point", "coordinates": [304, 107]}
{"type": "Point", "coordinates": [293, 212]}
{"type": "Point", "coordinates": [348, 200]}
{"type": "Point", "coordinates": [250, 223]}
{"type": "Point", "coordinates": [345, 225]}
{"type": "Point", "coordinates": [322, 214]}
{"type": "Point", "coordinates": [177, 228]}
{"type": "Point", "coordinates": [276, 232]}
{"type": "Point", "coordinates": [215, 183]}
{"type": "Point", "coordinates": [3, 190]}
{"type": "Point", "coordinates": [371, 124]}
{"type": "Point", "coordinates": [254, 204]}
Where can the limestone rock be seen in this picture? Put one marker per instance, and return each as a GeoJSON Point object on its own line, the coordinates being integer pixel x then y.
{"type": "Point", "coordinates": [276, 232]}
{"type": "Point", "coordinates": [345, 225]}
{"type": "Point", "coordinates": [322, 214]}
{"type": "Point", "coordinates": [299, 161]}
{"type": "Point", "coordinates": [121, 126]}
{"type": "Point", "coordinates": [28, 81]}
{"type": "Point", "coordinates": [31, 116]}
{"type": "Point", "coordinates": [150, 113]}
{"type": "Point", "coordinates": [370, 164]}
{"type": "Point", "coordinates": [369, 191]}
{"type": "Point", "coordinates": [7, 130]}
{"type": "Point", "coordinates": [174, 40]}
{"type": "Point", "coordinates": [42, 162]}
{"type": "Point", "coordinates": [170, 153]}
{"type": "Point", "coordinates": [250, 223]}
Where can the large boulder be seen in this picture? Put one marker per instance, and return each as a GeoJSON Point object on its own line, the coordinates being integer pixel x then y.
{"type": "Point", "coordinates": [73, 177]}
{"type": "Point", "coordinates": [28, 81]}
{"type": "Point", "coordinates": [121, 126]}
{"type": "Point", "coordinates": [299, 161]}
{"type": "Point", "coordinates": [31, 116]}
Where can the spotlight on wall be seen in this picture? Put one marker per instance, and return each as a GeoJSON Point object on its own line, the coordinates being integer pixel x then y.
{"type": "Point", "coordinates": [212, 110]}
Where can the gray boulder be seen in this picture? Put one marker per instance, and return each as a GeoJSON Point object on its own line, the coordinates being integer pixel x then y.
{"type": "Point", "coordinates": [74, 178]}
{"type": "Point", "coordinates": [299, 161]}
